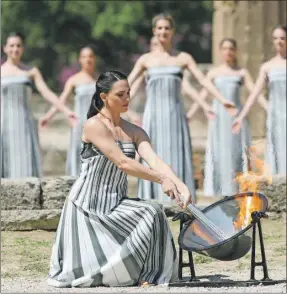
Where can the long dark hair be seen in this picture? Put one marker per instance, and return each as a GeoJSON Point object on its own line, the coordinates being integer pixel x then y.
{"type": "Point", "coordinates": [103, 85]}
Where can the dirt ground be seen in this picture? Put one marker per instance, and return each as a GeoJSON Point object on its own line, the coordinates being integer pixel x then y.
{"type": "Point", "coordinates": [25, 264]}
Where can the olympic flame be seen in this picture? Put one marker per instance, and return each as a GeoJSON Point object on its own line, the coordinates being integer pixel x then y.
{"type": "Point", "coordinates": [249, 182]}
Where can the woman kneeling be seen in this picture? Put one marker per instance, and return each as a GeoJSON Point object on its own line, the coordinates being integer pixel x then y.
{"type": "Point", "coordinates": [104, 238]}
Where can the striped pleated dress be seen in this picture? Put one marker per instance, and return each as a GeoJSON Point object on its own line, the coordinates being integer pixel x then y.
{"type": "Point", "coordinates": [165, 122]}
{"type": "Point", "coordinates": [104, 238]}
{"type": "Point", "coordinates": [225, 151]}
{"type": "Point", "coordinates": [20, 150]}
{"type": "Point", "coordinates": [276, 122]}
{"type": "Point", "coordinates": [83, 96]}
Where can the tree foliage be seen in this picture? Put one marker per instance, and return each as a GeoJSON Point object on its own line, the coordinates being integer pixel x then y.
{"type": "Point", "coordinates": [56, 30]}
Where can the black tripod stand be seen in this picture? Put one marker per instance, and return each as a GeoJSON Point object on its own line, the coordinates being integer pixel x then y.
{"type": "Point", "coordinates": [256, 223]}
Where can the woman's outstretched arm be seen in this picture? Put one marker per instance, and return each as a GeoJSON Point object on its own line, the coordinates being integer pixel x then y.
{"type": "Point", "coordinates": [68, 88]}
{"type": "Point", "coordinates": [97, 133]}
{"type": "Point", "coordinates": [249, 84]}
{"type": "Point", "coordinates": [207, 84]}
{"type": "Point", "coordinates": [146, 152]}
{"type": "Point", "coordinates": [50, 96]}
{"type": "Point", "coordinates": [200, 99]}
{"type": "Point", "coordinates": [259, 85]}
{"type": "Point", "coordinates": [133, 116]}
{"type": "Point", "coordinates": [138, 70]}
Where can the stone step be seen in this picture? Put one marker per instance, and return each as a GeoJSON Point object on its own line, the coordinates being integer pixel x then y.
{"type": "Point", "coordinates": [27, 220]}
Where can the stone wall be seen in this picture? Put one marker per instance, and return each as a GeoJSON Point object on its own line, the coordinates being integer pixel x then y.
{"type": "Point", "coordinates": [32, 203]}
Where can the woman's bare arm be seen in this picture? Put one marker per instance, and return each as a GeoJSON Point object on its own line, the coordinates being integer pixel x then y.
{"type": "Point", "coordinates": [253, 96]}
{"type": "Point", "coordinates": [258, 87]}
{"type": "Point", "coordinates": [68, 89]}
{"type": "Point", "coordinates": [193, 93]}
{"type": "Point", "coordinates": [97, 133]}
{"type": "Point", "coordinates": [43, 122]}
{"type": "Point", "coordinates": [207, 84]}
{"type": "Point", "coordinates": [249, 84]}
{"type": "Point", "coordinates": [132, 115]}
{"type": "Point", "coordinates": [46, 92]}
{"type": "Point", "coordinates": [136, 85]}
{"type": "Point", "coordinates": [202, 95]}
{"type": "Point", "coordinates": [138, 70]}
{"type": "Point", "coordinates": [50, 96]}
{"type": "Point", "coordinates": [146, 152]}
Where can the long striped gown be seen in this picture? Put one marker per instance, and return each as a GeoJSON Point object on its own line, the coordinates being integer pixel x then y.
{"type": "Point", "coordinates": [83, 96]}
{"type": "Point", "coordinates": [165, 122]}
{"type": "Point", "coordinates": [225, 151]}
{"type": "Point", "coordinates": [104, 238]}
{"type": "Point", "coordinates": [276, 122]}
{"type": "Point", "coordinates": [20, 150]}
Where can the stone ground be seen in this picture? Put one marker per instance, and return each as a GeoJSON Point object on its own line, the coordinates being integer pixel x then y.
{"type": "Point", "coordinates": [25, 264]}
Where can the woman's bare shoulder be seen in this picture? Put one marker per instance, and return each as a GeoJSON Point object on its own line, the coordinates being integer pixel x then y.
{"type": "Point", "coordinates": [95, 125]}
{"type": "Point", "coordinates": [133, 131]}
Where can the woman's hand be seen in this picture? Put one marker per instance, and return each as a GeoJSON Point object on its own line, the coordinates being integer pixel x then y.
{"type": "Point", "coordinates": [170, 189]}
{"type": "Point", "coordinates": [72, 118]}
{"type": "Point", "coordinates": [185, 197]}
{"type": "Point", "coordinates": [230, 107]}
{"type": "Point", "coordinates": [236, 126]}
{"type": "Point", "coordinates": [189, 117]}
{"type": "Point", "coordinates": [209, 113]}
{"type": "Point", "coordinates": [43, 122]}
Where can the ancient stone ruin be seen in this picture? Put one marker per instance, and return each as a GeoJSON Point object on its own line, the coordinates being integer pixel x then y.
{"type": "Point", "coordinates": [33, 203]}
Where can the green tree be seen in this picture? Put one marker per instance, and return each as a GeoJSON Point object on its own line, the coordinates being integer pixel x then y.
{"type": "Point", "coordinates": [56, 30]}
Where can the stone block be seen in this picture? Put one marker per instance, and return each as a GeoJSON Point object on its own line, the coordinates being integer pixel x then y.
{"type": "Point", "coordinates": [26, 220]}
{"type": "Point", "coordinates": [20, 194]}
{"type": "Point", "coordinates": [55, 191]}
{"type": "Point", "coordinates": [275, 193]}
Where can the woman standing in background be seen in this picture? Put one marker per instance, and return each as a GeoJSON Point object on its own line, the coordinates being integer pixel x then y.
{"type": "Point", "coordinates": [224, 156]}
{"type": "Point", "coordinates": [274, 73]}
{"type": "Point", "coordinates": [83, 84]}
{"type": "Point", "coordinates": [187, 90]}
{"type": "Point", "coordinates": [20, 150]}
{"type": "Point", "coordinates": [164, 118]}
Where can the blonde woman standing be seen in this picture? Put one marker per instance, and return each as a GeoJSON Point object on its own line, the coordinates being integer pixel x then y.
{"type": "Point", "coordinates": [164, 119]}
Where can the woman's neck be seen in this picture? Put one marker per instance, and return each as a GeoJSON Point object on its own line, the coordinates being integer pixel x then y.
{"type": "Point", "coordinates": [166, 47]}
{"type": "Point", "coordinates": [229, 64]}
{"type": "Point", "coordinates": [88, 71]}
{"type": "Point", "coordinates": [114, 118]}
{"type": "Point", "coordinates": [281, 55]}
{"type": "Point", "coordinates": [13, 62]}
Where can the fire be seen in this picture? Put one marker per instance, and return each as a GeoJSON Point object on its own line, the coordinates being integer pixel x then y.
{"type": "Point", "coordinates": [249, 182]}
{"type": "Point", "coordinates": [247, 206]}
